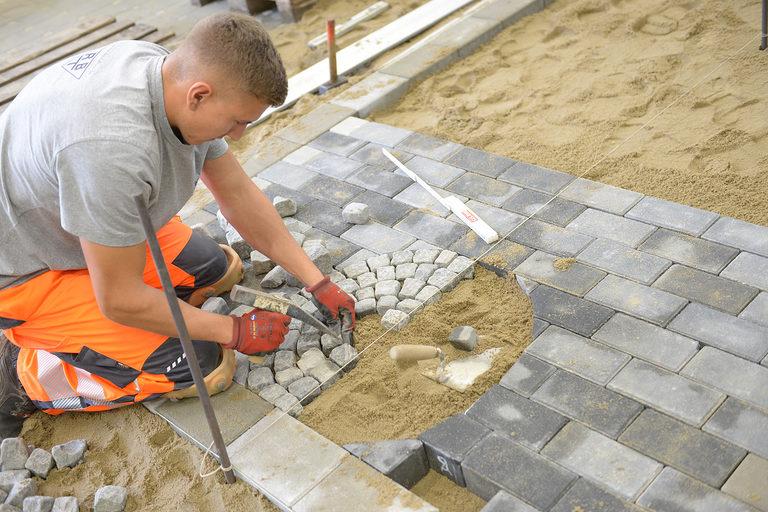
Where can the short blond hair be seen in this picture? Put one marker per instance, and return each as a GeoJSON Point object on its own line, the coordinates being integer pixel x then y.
{"type": "Point", "coordinates": [239, 47]}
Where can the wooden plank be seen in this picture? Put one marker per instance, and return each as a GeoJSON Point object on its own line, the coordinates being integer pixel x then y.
{"type": "Point", "coordinates": [365, 15]}
{"type": "Point", "coordinates": [158, 37]}
{"type": "Point", "coordinates": [15, 58]}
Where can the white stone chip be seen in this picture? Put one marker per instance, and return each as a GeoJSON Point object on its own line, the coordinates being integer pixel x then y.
{"type": "Point", "coordinates": [395, 319]}
{"type": "Point", "coordinates": [284, 206]}
{"type": "Point", "coordinates": [356, 213]}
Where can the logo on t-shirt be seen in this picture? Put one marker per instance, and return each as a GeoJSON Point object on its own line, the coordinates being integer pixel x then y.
{"type": "Point", "coordinates": [77, 65]}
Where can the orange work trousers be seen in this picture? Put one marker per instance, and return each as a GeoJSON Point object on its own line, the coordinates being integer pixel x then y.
{"type": "Point", "coordinates": [73, 358]}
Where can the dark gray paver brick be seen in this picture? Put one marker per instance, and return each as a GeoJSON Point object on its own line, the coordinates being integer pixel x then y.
{"type": "Point", "coordinates": [338, 249]}
{"type": "Point", "coordinates": [601, 459]}
{"type": "Point", "coordinates": [377, 237]}
{"type": "Point", "coordinates": [494, 464]}
{"type": "Point", "coordinates": [416, 66]}
{"type": "Point", "coordinates": [739, 234]}
{"type": "Point", "coordinates": [265, 153]}
{"type": "Point", "coordinates": [577, 279]}
{"type": "Point", "coordinates": [550, 238]}
{"type": "Point", "coordinates": [500, 220]}
{"type": "Point", "coordinates": [510, 414]}
{"type": "Point", "coordinates": [467, 34]}
{"type": "Point", "coordinates": [449, 442]}
{"type": "Point", "coordinates": [480, 162]}
{"type": "Point", "coordinates": [384, 209]}
{"type": "Point", "coordinates": [417, 197]}
{"type": "Point", "coordinates": [384, 182]}
{"type": "Point", "coordinates": [483, 189]}
{"type": "Point", "coordinates": [672, 491]}
{"type": "Point", "coordinates": [757, 311]}
{"type": "Point", "coordinates": [435, 230]}
{"type": "Point", "coordinates": [749, 482]}
{"type": "Point", "coordinates": [672, 215]}
{"type": "Point", "coordinates": [435, 173]}
{"type": "Point", "coordinates": [337, 143]}
{"type": "Point", "coordinates": [699, 286]}
{"type": "Point", "coordinates": [687, 449]}
{"type": "Point", "coordinates": [335, 166]}
{"type": "Point", "coordinates": [647, 341]}
{"type": "Point", "coordinates": [603, 197]}
{"type": "Point", "coordinates": [383, 134]}
{"type": "Point", "coordinates": [624, 261]}
{"type": "Point", "coordinates": [748, 268]}
{"type": "Point", "coordinates": [723, 331]}
{"type": "Point", "coordinates": [502, 258]}
{"type": "Point", "coordinates": [600, 224]}
{"type": "Point", "coordinates": [573, 313]}
{"type": "Point", "coordinates": [535, 177]}
{"type": "Point", "coordinates": [311, 125]}
{"type": "Point", "coordinates": [371, 154]}
{"type": "Point", "coordinates": [274, 190]}
{"type": "Point", "coordinates": [430, 147]}
{"type": "Point", "coordinates": [654, 305]}
{"type": "Point", "coordinates": [586, 496]}
{"type": "Point", "coordinates": [577, 354]}
{"type": "Point", "coordinates": [734, 375]}
{"type": "Point", "coordinates": [402, 460]}
{"type": "Point", "coordinates": [502, 501]}
{"type": "Point", "coordinates": [526, 375]}
{"type": "Point", "coordinates": [539, 326]}
{"type": "Point", "coordinates": [741, 423]}
{"type": "Point", "coordinates": [600, 409]}
{"type": "Point", "coordinates": [685, 249]}
{"type": "Point", "coordinates": [556, 211]}
{"type": "Point", "coordinates": [323, 216]}
{"type": "Point", "coordinates": [673, 394]}
{"type": "Point", "coordinates": [330, 189]}
{"type": "Point", "coordinates": [508, 13]}
{"type": "Point", "coordinates": [287, 175]}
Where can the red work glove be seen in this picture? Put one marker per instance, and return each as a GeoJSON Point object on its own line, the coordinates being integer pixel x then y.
{"type": "Point", "coordinates": [258, 331]}
{"type": "Point", "coordinates": [332, 301]}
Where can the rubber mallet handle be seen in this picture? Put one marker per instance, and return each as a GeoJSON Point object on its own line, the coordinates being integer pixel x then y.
{"type": "Point", "coordinates": [413, 352]}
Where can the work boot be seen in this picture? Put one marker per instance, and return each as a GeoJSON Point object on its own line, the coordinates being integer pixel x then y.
{"type": "Point", "coordinates": [215, 382]}
{"type": "Point", "coordinates": [233, 276]}
{"type": "Point", "coordinates": [15, 405]}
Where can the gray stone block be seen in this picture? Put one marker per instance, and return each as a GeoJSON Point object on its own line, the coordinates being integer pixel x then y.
{"type": "Point", "coordinates": [500, 220]}
{"type": "Point", "coordinates": [576, 279]}
{"type": "Point", "coordinates": [550, 238]}
{"type": "Point", "coordinates": [651, 385]}
{"type": "Point", "coordinates": [526, 422]}
{"type": "Point", "coordinates": [386, 303]}
{"type": "Point", "coordinates": [389, 287]}
{"type": "Point", "coordinates": [345, 356]}
{"type": "Point", "coordinates": [275, 278]}
{"type": "Point", "coordinates": [326, 373]}
{"type": "Point", "coordinates": [435, 173]}
{"type": "Point", "coordinates": [372, 93]}
{"type": "Point", "coordinates": [291, 341]}
{"type": "Point", "coordinates": [409, 306]}
{"type": "Point", "coordinates": [688, 449]}
{"type": "Point", "coordinates": [20, 490]}
{"type": "Point", "coordinates": [429, 295]}
{"type": "Point", "coordinates": [356, 213]}
{"type": "Point", "coordinates": [328, 343]}
{"type": "Point", "coordinates": [424, 272]}
{"type": "Point", "coordinates": [285, 206]}
{"type": "Point", "coordinates": [502, 501]}
{"type": "Point", "coordinates": [449, 442]}
{"type": "Point", "coordinates": [742, 424]}
{"type": "Point", "coordinates": [733, 375]}
{"type": "Point", "coordinates": [259, 378]}
{"type": "Point", "coordinates": [324, 216]}
{"type": "Point", "coordinates": [411, 288]}
{"type": "Point", "coordinates": [494, 464]}
{"type": "Point", "coordinates": [382, 181]}
{"type": "Point", "coordinates": [289, 404]}
{"type": "Point", "coordinates": [332, 166]}
{"type": "Point", "coordinates": [331, 189]}
{"type": "Point", "coordinates": [694, 252]}
{"type": "Point", "coordinates": [395, 320]}
{"type": "Point", "coordinates": [377, 237]}
{"type": "Point", "coordinates": [342, 145]}
{"type": "Point", "coordinates": [613, 227]}
{"type": "Point", "coordinates": [365, 307]}
{"type": "Point", "coordinates": [37, 504]}
{"type": "Point", "coordinates": [705, 288]}
{"type": "Point", "coordinates": [739, 234]}
{"type": "Point", "coordinates": [284, 359]}
{"type": "Point", "coordinates": [748, 268]}
{"type": "Point", "coordinates": [749, 482]}
{"type": "Point", "coordinates": [305, 389]}
{"type": "Point", "coordinates": [603, 197]}
{"type": "Point", "coordinates": [656, 306]}
{"type": "Point", "coordinates": [285, 377]}
{"type": "Point", "coordinates": [598, 408]}
{"type": "Point", "coordinates": [11, 477]}
{"type": "Point", "coordinates": [585, 495]}
{"type": "Point", "coordinates": [674, 491]}
{"type": "Point", "coordinates": [383, 209]}
{"type": "Point", "coordinates": [577, 354]}
{"type": "Point", "coordinates": [443, 279]}
{"type": "Point", "coordinates": [400, 257]}
{"type": "Point", "coordinates": [539, 326]}
{"type": "Point", "coordinates": [433, 229]}
{"type": "Point", "coordinates": [376, 262]}
{"type": "Point", "coordinates": [70, 454]}
{"type": "Point", "coordinates": [463, 267]}
{"type": "Point", "coordinates": [383, 134]}
{"type": "Point", "coordinates": [463, 337]}
{"type": "Point", "coordinates": [568, 311]}
{"type": "Point", "coordinates": [445, 258]}
{"type": "Point", "coordinates": [535, 177]}
{"type": "Point", "coordinates": [554, 210]}
{"type": "Point", "coordinates": [367, 280]}
{"type": "Point", "coordinates": [402, 460]}
{"type": "Point", "coordinates": [480, 162]}
{"type": "Point", "coordinates": [310, 358]}
{"type": "Point", "coordinates": [482, 188]}
{"type": "Point", "coordinates": [39, 463]}
{"type": "Point", "coordinates": [14, 453]}
{"type": "Point", "coordinates": [419, 199]}
{"type": "Point", "coordinates": [624, 261]}
{"type": "Point", "coordinates": [315, 123]}
{"type": "Point", "coordinates": [430, 147]}
{"type": "Point", "coordinates": [416, 66]}
{"type": "Point", "coordinates": [65, 504]}
{"type": "Point", "coordinates": [526, 375]}
{"type": "Point", "coordinates": [272, 392]}
{"type": "Point", "coordinates": [405, 271]}
{"type": "Point", "coordinates": [723, 331]}
{"type": "Point", "coordinates": [386, 273]}
{"type": "Point", "coordinates": [216, 305]}
{"type": "Point", "coordinates": [672, 215]}
{"type": "Point", "coordinates": [321, 257]}
{"type": "Point", "coordinates": [356, 269]}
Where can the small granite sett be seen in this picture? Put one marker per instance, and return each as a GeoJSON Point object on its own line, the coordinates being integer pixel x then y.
{"type": "Point", "coordinates": [37, 504]}
{"type": "Point", "coordinates": [463, 337]}
{"type": "Point", "coordinates": [14, 453]}
{"type": "Point", "coordinates": [305, 389]}
{"type": "Point", "coordinates": [411, 288]}
{"type": "Point", "coordinates": [400, 257]}
{"type": "Point", "coordinates": [405, 271]}
{"type": "Point", "coordinates": [385, 303]}
{"type": "Point", "coordinates": [395, 320]}
{"type": "Point", "coordinates": [429, 295]}
{"type": "Point", "coordinates": [40, 463]}
{"type": "Point", "coordinates": [443, 279]}
{"type": "Point", "coordinates": [409, 306]}
{"type": "Point", "coordinates": [367, 280]}
{"type": "Point", "coordinates": [365, 307]}
{"type": "Point", "coordinates": [65, 504]}
{"type": "Point", "coordinates": [389, 287]}
{"type": "Point", "coordinates": [110, 498]}
{"type": "Point", "coordinates": [20, 490]}
{"type": "Point", "coordinates": [285, 377]}
{"type": "Point", "coordinates": [356, 269]}
{"type": "Point", "coordinates": [70, 454]}
{"type": "Point", "coordinates": [424, 271]}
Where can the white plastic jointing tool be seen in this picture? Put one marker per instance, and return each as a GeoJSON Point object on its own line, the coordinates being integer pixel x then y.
{"type": "Point", "coordinates": [453, 203]}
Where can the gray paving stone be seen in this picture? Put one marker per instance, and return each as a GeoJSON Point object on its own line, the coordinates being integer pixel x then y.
{"type": "Point", "coordinates": [601, 459]}
{"type": "Point", "coordinates": [542, 206]}
{"type": "Point", "coordinates": [600, 409]}
{"type": "Point", "coordinates": [383, 209]}
{"type": "Point", "coordinates": [577, 354]}
{"type": "Point", "coordinates": [494, 464]}
{"type": "Point", "coordinates": [371, 154]}
{"type": "Point", "coordinates": [565, 310]}
{"type": "Point", "coordinates": [383, 134]}
{"type": "Point", "coordinates": [449, 442]}
{"type": "Point", "coordinates": [331, 190]}
{"type": "Point", "coordinates": [585, 495]}
{"type": "Point", "coordinates": [466, 35]}
{"type": "Point", "coordinates": [600, 224]}
{"type": "Point", "coordinates": [338, 249]}
{"type": "Point", "coordinates": [656, 306]}
{"type": "Point", "coordinates": [723, 331]}
{"type": "Point", "coordinates": [525, 422]}
{"type": "Point", "coordinates": [266, 153]}
{"type": "Point", "coordinates": [603, 197]}
{"type": "Point", "coordinates": [502, 501]}
{"type": "Point", "coordinates": [619, 259]}
{"type": "Point", "coordinates": [500, 220]}
{"type": "Point", "coordinates": [539, 326]}
{"type": "Point", "coordinates": [430, 147]}
{"type": "Point", "coordinates": [739, 234]}
{"type": "Point", "coordinates": [324, 216]}
{"type": "Point", "coordinates": [508, 13]}
{"type": "Point", "coordinates": [335, 166]}
{"type": "Point", "coordinates": [416, 66]}
{"type": "Point", "coordinates": [482, 188]}
{"type": "Point", "coordinates": [749, 482]}
{"type": "Point", "coordinates": [731, 374]}
{"type": "Point", "coordinates": [384, 182]}
{"type": "Point", "coordinates": [671, 215]}
{"type": "Point", "coordinates": [417, 197]}
{"type": "Point", "coordinates": [535, 177]}
{"type": "Point", "coordinates": [672, 491]}
{"type": "Point", "coordinates": [526, 375]}
{"type": "Point", "coordinates": [685, 448]}
{"type": "Point", "coordinates": [480, 162]}
{"type": "Point", "coordinates": [287, 175]}
{"type": "Point", "coordinates": [696, 285]}
{"type": "Point", "coordinates": [690, 401]}
{"type": "Point", "coordinates": [757, 311]}
{"type": "Point", "coordinates": [341, 145]}
{"type": "Point", "coordinates": [311, 125]}
{"type": "Point", "coordinates": [402, 460]}
{"type": "Point", "coordinates": [748, 268]}
{"type": "Point", "coordinates": [435, 230]}
{"type": "Point", "coordinates": [694, 252]}
{"type": "Point", "coordinates": [742, 424]}
{"type": "Point", "coordinates": [377, 237]}
{"type": "Point", "coordinates": [578, 279]}
{"type": "Point", "coordinates": [647, 341]}
{"type": "Point", "coordinates": [504, 255]}
{"type": "Point", "coordinates": [275, 190]}
{"type": "Point", "coordinates": [550, 238]}
{"type": "Point", "coordinates": [371, 93]}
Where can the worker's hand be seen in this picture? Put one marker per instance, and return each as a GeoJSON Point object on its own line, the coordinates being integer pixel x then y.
{"type": "Point", "coordinates": [333, 302]}
{"type": "Point", "coordinates": [258, 331]}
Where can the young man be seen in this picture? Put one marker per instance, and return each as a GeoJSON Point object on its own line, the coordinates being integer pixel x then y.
{"type": "Point", "coordinates": [79, 293]}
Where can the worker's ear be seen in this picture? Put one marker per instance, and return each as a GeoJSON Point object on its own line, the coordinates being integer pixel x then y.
{"type": "Point", "coordinates": [197, 93]}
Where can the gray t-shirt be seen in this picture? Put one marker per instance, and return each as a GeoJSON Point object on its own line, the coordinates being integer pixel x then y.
{"type": "Point", "coordinates": [76, 145]}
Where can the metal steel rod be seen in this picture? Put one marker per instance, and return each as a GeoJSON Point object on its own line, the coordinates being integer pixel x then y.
{"type": "Point", "coordinates": [331, 28]}
{"type": "Point", "coordinates": [764, 40]}
{"type": "Point", "coordinates": [186, 343]}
